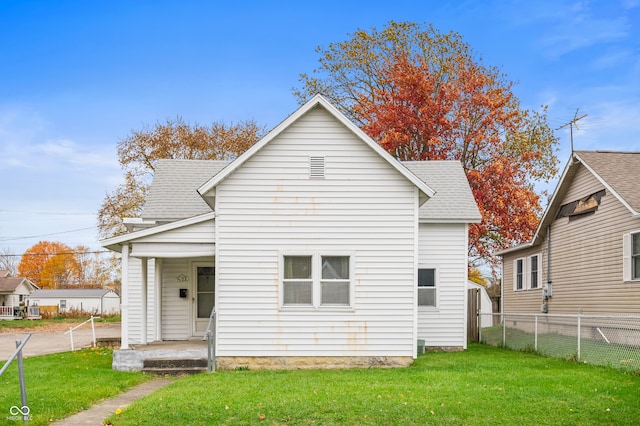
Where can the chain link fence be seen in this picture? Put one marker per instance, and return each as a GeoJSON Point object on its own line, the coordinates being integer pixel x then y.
{"type": "Point", "coordinates": [612, 341]}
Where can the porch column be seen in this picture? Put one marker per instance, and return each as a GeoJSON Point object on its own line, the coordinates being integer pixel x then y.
{"type": "Point", "coordinates": [143, 300]}
{"type": "Point", "coordinates": [158, 299]}
{"type": "Point", "coordinates": [124, 299]}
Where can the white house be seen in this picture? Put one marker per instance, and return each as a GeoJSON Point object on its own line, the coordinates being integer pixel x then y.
{"type": "Point", "coordinates": [316, 248]}
{"type": "Point", "coordinates": [14, 294]}
{"type": "Point", "coordinates": [92, 301]}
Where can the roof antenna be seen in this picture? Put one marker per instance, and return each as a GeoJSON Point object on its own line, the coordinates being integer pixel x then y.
{"type": "Point", "coordinates": [572, 123]}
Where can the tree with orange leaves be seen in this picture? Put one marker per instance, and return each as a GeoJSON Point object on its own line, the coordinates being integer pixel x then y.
{"type": "Point", "coordinates": [423, 96]}
{"type": "Point", "coordinates": [41, 263]}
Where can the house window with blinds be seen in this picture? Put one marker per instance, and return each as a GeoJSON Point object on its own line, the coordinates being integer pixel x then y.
{"type": "Point", "coordinates": [427, 287]}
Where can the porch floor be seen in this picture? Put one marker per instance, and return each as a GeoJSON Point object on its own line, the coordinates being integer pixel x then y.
{"type": "Point", "coordinates": [172, 345]}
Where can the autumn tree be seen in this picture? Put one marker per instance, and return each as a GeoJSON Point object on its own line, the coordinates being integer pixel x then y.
{"type": "Point", "coordinates": [38, 259]}
{"type": "Point", "coordinates": [422, 95]}
{"type": "Point", "coordinates": [140, 151]}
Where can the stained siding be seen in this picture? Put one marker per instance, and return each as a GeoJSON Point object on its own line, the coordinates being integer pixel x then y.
{"type": "Point", "coordinates": [270, 207]}
{"type": "Point", "coordinates": [444, 247]}
{"type": "Point", "coordinates": [586, 263]}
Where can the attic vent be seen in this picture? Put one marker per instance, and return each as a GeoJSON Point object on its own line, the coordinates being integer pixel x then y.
{"type": "Point", "coordinates": [316, 167]}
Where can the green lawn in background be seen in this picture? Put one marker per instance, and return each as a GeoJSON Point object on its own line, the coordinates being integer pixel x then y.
{"type": "Point", "coordinates": [11, 326]}
{"type": "Point", "coordinates": [60, 385]}
{"type": "Point", "coordinates": [481, 386]}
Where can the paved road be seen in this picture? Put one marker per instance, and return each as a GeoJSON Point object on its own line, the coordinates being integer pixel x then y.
{"type": "Point", "coordinates": [42, 343]}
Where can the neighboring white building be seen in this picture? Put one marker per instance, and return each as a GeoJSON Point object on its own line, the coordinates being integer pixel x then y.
{"type": "Point", "coordinates": [14, 294]}
{"type": "Point", "coordinates": [91, 301]}
{"type": "Point", "coordinates": [315, 246]}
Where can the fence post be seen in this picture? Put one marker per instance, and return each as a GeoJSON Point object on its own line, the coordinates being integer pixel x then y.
{"type": "Point", "coordinates": [93, 332]}
{"type": "Point", "coordinates": [535, 344]}
{"type": "Point", "coordinates": [23, 389]}
{"type": "Point", "coordinates": [71, 336]}
{"type": "Point", "coordinates": [579, 324]}
{"type": "Point", "coordinates": [504, 331]}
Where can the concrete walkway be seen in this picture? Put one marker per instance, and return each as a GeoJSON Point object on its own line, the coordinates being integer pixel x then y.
{"type": "Point", "coordinates": [95, 415]}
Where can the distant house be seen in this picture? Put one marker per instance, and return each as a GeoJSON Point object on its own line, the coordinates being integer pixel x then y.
{"type": "Point", "coordinates": [585, 254]}
{"type": "Point", "coordinates": [14, 295]}
{"type": "Point", "coordinates": [316, 247]}
{"type": "Point", "coordinates": [91, 301]}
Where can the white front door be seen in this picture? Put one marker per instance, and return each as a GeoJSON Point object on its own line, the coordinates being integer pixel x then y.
{"type": "Point", "coordinates": [203, 297]}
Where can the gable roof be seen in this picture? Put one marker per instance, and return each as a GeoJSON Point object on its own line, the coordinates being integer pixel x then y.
{"type": "Point", "coordinates": [617, 171]}
{"type": "Point", "coordinates": [173, 192]}
{"type": "Point", "coordinates": [10, 284]}
{"type": "Point", "coordinates": [316, 101]}
{"type": "Point", "coordinates": [71, 293]}
{"type": "Point", "coordinates": [453, 201]}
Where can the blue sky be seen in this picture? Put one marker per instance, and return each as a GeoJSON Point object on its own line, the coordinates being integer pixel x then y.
{"type": "Point", "coordinates": [78, 76]}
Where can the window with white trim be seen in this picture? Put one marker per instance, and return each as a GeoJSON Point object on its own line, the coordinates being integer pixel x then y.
{"type": "Point", "coordinates": [426, 287]}
{"type": "Point", "coordinates": [527, 273]}
{"type": "Point", "coordinates": [534, 272]}
{"type": "Point", "coordinates": [519, 274]}
{"type": "Point", "coordinates": [635, 256]}
{"type": "Point", "coordinates": [297, 282]}
{"type": "Point", "coordinates": [316, 281]}
{"type": "Point", "coordinates": [631, 256]}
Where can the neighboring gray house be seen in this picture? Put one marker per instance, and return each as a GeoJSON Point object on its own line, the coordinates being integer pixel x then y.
{"type": "Point", "coordinates": [14, 294]}
{"type": "Point", "coordinates": [585, 255]}
{"type": "Point", "coordinates": [316, 248]}
{"type": "Point", "coordinates": [92, 301]}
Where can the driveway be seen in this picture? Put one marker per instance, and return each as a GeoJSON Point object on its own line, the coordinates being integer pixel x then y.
{"type": "Point", "coordinates": [53, 341]}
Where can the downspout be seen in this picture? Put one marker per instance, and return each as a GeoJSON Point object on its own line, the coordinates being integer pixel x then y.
{"type": "Point", "coordinates": [546, 291]}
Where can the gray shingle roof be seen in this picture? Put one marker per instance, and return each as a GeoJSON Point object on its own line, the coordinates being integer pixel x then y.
{"type": "Point", "coordinates": [453, 200]}
{"type": "Point", "coordinates": [9, 284]}
{"type": "Point", "coordinates": [70, 293]}
{"type": "Point", "coordinates": [620, 170]}
{"type": "Point", "coordinates": [173, 191]}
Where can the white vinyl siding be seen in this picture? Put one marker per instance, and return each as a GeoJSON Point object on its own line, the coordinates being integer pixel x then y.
{"type": "Point", "coordinates": [444, 247]}
{"type": "Point", "coordinates": [270, 208]}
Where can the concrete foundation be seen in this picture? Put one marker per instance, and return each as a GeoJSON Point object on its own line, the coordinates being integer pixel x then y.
{"type": "Point", "coordinates": [310, 362]}
{"type": "Point", "coordinates": [133, 359]}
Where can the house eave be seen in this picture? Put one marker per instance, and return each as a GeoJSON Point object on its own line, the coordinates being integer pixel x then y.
{"type": "Point", "coordinates": [116, 243]}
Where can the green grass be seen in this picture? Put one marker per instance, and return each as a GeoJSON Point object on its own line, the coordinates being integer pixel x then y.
{"type": "Point", "coordinates": [597, 352]}
{"type": "Point", "coordinates": [60, 385]}
{"type": "Point", "coordinates": [481, 386]}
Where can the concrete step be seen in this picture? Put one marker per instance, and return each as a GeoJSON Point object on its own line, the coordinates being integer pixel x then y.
{"type": "Point", "coordinates": [174, 366]}
{"type": "Point", "coordinates": [108, 342]}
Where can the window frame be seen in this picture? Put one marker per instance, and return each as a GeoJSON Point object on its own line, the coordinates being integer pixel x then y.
{"type": "Point", "coordinates": [433, 288]}
{"type": "Point", "coordinates": [538, 280]}
{"type": "Point", "coordinates": [317, 281]}
{"type": "Point", "coordinates": [526, 277]}
{"type": "Point", "coordinates": [292, 280]}
{"type": "Point", "coordinates": [634, 257]}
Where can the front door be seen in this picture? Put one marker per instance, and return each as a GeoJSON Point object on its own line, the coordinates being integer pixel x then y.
{"type": "Point", "coordinates": [204, 297]}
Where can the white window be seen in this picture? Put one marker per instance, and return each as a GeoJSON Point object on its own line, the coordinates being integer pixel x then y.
{"type": "Point", "coordinates": [631, 256]}
{"type": "Point", "coordinates": [527, 273]}
{"type": "Point", "coordinates": [426, 287]}
{"type": "Point", "coordinates": [635, 256]}
{"type": "Point", "coordinates": [297, 282]}
{"type": "Point", "coordinates": [535, 275]}
{"type": "Point", "coordinates": [334, 286]}
{"type": "Point", "coordinates": [519, 274]}
{"type": "Point", "coordinates": [316, 281]}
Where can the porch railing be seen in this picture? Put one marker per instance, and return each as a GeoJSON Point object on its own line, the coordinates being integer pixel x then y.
{"type": "Point", "coordinates": [210, 337]}
{"type": "Point", "coordinates": [6, 312]}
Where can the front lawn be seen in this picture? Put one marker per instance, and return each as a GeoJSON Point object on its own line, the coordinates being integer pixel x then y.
{"type": "Point", "coordinates": [483, 385]}
{"type": "Point", "coordinates": [62, 384]}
